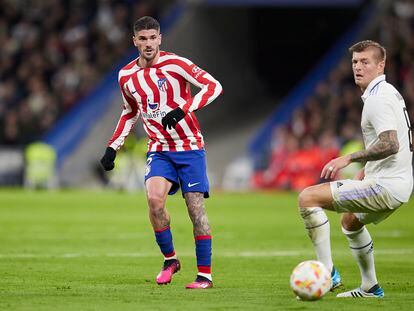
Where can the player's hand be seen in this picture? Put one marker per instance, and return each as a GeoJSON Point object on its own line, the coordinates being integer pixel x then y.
{"type": "Point", "coordinates": [330, 170]}
{"type": "Point", "coordinates": [108, 159]}
{"type": "Point", "coordinates": [171, 119]}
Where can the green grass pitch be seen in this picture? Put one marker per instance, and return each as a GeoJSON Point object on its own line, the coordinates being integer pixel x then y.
{"type": "Point", "coordinates": [86, 250]}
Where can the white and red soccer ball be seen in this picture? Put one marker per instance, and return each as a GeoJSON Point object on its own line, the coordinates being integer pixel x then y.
{"type": "Point", "coordinates": [310, 280]}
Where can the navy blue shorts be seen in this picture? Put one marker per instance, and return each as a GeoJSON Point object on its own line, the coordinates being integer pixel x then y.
{"type": "Point", "coordinates": [187, 169]}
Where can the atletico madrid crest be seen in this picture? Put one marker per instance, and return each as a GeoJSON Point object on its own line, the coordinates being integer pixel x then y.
{"type": "Point", "coordinates": [162, 85]}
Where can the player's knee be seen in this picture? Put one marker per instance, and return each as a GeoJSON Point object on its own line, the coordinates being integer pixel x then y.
{"type": "Point", "coordinates": [305, 198]}
{"type": "Point", "coordinates": [350, 222]}
{"type": "Point", "coordinates": [155, 200]}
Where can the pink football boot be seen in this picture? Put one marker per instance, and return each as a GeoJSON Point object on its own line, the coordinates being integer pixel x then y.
{"type": "Point", "coordinates": [170, 267]}
{"type": "Point", "coordinates": [200, 283]}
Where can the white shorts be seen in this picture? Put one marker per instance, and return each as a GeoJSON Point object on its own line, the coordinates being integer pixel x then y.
{"type": "Point", "coordinates": [370, 202]}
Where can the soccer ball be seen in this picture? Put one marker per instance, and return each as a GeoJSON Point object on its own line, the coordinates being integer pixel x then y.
{"type": "Point", "coordinates": [310, 280]}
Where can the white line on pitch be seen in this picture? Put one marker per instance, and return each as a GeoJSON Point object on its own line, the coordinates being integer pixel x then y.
{"type": "Point", "coordinates": [246, 254]}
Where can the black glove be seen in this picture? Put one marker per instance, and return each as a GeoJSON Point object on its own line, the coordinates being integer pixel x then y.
{"type": "Point", "coordinates": [172, 118]}
{"type": "Point", "coordinates": [108, 159]}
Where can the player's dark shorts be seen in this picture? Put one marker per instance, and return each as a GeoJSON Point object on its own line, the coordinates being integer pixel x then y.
{"type": "Point", "coordinates": [187, 169]}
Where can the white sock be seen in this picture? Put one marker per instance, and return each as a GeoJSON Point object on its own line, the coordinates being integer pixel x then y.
{"type": "Point", "coordinates": [317, 224]}
{"type": "Point", "coordinates": [206, 275]}
{"type": "Point", "coordinates": [362, 249]}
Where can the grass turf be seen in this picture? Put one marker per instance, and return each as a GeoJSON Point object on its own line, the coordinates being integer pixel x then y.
{"type": "Point", "coordinates": [84, 250]}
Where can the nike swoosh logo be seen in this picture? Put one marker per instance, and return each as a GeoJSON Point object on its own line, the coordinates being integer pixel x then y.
{"type": "Point", "coordinates": [191, 185]}
{"type": "Point", "coordinates": [133, 92]}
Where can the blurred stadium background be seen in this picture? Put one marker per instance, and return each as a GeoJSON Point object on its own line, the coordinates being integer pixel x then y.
{"type": "Point", "coordinates": [289, 104]}
{"type": "Point", "coordinates": [289, 101]}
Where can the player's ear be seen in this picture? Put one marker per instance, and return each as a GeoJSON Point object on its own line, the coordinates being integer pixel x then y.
{"type": "Point", "coordinates": [160, 38]}
{"type": "Point", "coordinates": [381, 66]}
{"type": "Point", "coordinates": [134, 40]}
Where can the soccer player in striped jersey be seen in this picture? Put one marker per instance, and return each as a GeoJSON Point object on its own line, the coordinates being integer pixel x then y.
{"type": "Point", "coordinates": [381, 187]}
{"type": "Point", "coordinates": [156, 87]}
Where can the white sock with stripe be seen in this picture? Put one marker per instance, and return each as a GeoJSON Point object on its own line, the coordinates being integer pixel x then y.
{"type": "Point", "coordinates": [362, 249]}
{"type": "Point", "coordinates": [317, 224]}
{"type": "Point", "coordinates": [171, 257]}
{"type": "Point", "coordinates": [206, 275]}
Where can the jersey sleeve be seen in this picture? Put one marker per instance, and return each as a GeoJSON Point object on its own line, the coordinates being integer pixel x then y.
{"type": "Point", "coordinates": [129, 117]}
{"type": "Point", "coordinates": [210, 87]}
{"type": "Point", "coordinates": [381, 114]}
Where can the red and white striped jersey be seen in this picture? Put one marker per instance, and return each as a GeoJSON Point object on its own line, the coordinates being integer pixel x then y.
{"type": "Point", "coordinates": [153, 92]}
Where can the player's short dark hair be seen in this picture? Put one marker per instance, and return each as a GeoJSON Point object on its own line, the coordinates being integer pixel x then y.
{"type": "Point", "coordinates": [146, 22]}
{"type": "Point", "coordinates": [361, 46]}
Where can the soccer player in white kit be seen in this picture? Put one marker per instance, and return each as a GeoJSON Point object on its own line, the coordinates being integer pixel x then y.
{"type": "Point", "coordinates": [156, 87]}
{"type": "Point", "coordinates": [379, 188]}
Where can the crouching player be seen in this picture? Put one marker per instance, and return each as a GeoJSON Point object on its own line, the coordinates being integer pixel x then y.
{"type": "Point", "coordinates": [381, 187]}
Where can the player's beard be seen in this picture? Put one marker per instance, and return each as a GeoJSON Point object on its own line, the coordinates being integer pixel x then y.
{"type": "Point", "coordinates": [152, 56]}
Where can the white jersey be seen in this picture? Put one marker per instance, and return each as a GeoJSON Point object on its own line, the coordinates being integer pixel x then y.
{"type": "Point", "coordinates": [384, 110]}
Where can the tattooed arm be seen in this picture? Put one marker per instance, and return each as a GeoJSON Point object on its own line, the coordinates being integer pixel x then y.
{"type": "Point", "coordinates": [386, 146]}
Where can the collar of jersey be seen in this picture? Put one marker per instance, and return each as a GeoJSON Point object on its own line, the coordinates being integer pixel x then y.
{"type": "Point", "coordinates": [371, 85]}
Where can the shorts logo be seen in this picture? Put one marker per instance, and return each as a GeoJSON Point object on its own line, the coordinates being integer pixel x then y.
{"type": "Point", "coordinates": [162, 85]}
{"type": "Point", "coordinates": [339, 184]}
{"type": "Point", "coordinates": [192, 185]}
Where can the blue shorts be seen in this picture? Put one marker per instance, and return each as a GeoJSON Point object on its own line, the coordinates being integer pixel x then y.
{"type": "Point", "coordinates": [187, 169]}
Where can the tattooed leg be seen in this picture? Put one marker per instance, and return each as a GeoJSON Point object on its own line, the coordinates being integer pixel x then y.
{"type": "Point", "coordinates": [159, 217]}
{"type": "Point", "coordinates": [202, 236]}
{"type": "Point", "coordinates": [197, 213]}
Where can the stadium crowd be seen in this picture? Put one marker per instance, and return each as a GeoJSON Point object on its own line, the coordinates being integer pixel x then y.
{"type": "Point", "coordinates": [53, 52]}
{"type": "Point", "coordinates": [329, 120]}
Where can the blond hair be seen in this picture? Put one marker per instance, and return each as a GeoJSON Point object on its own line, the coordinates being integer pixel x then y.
{"type": "Point", "coordinates": [361, 46]}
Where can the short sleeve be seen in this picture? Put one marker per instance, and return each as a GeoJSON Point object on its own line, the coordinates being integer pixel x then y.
{"type": "Point", "coordinates": [380, 114]}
